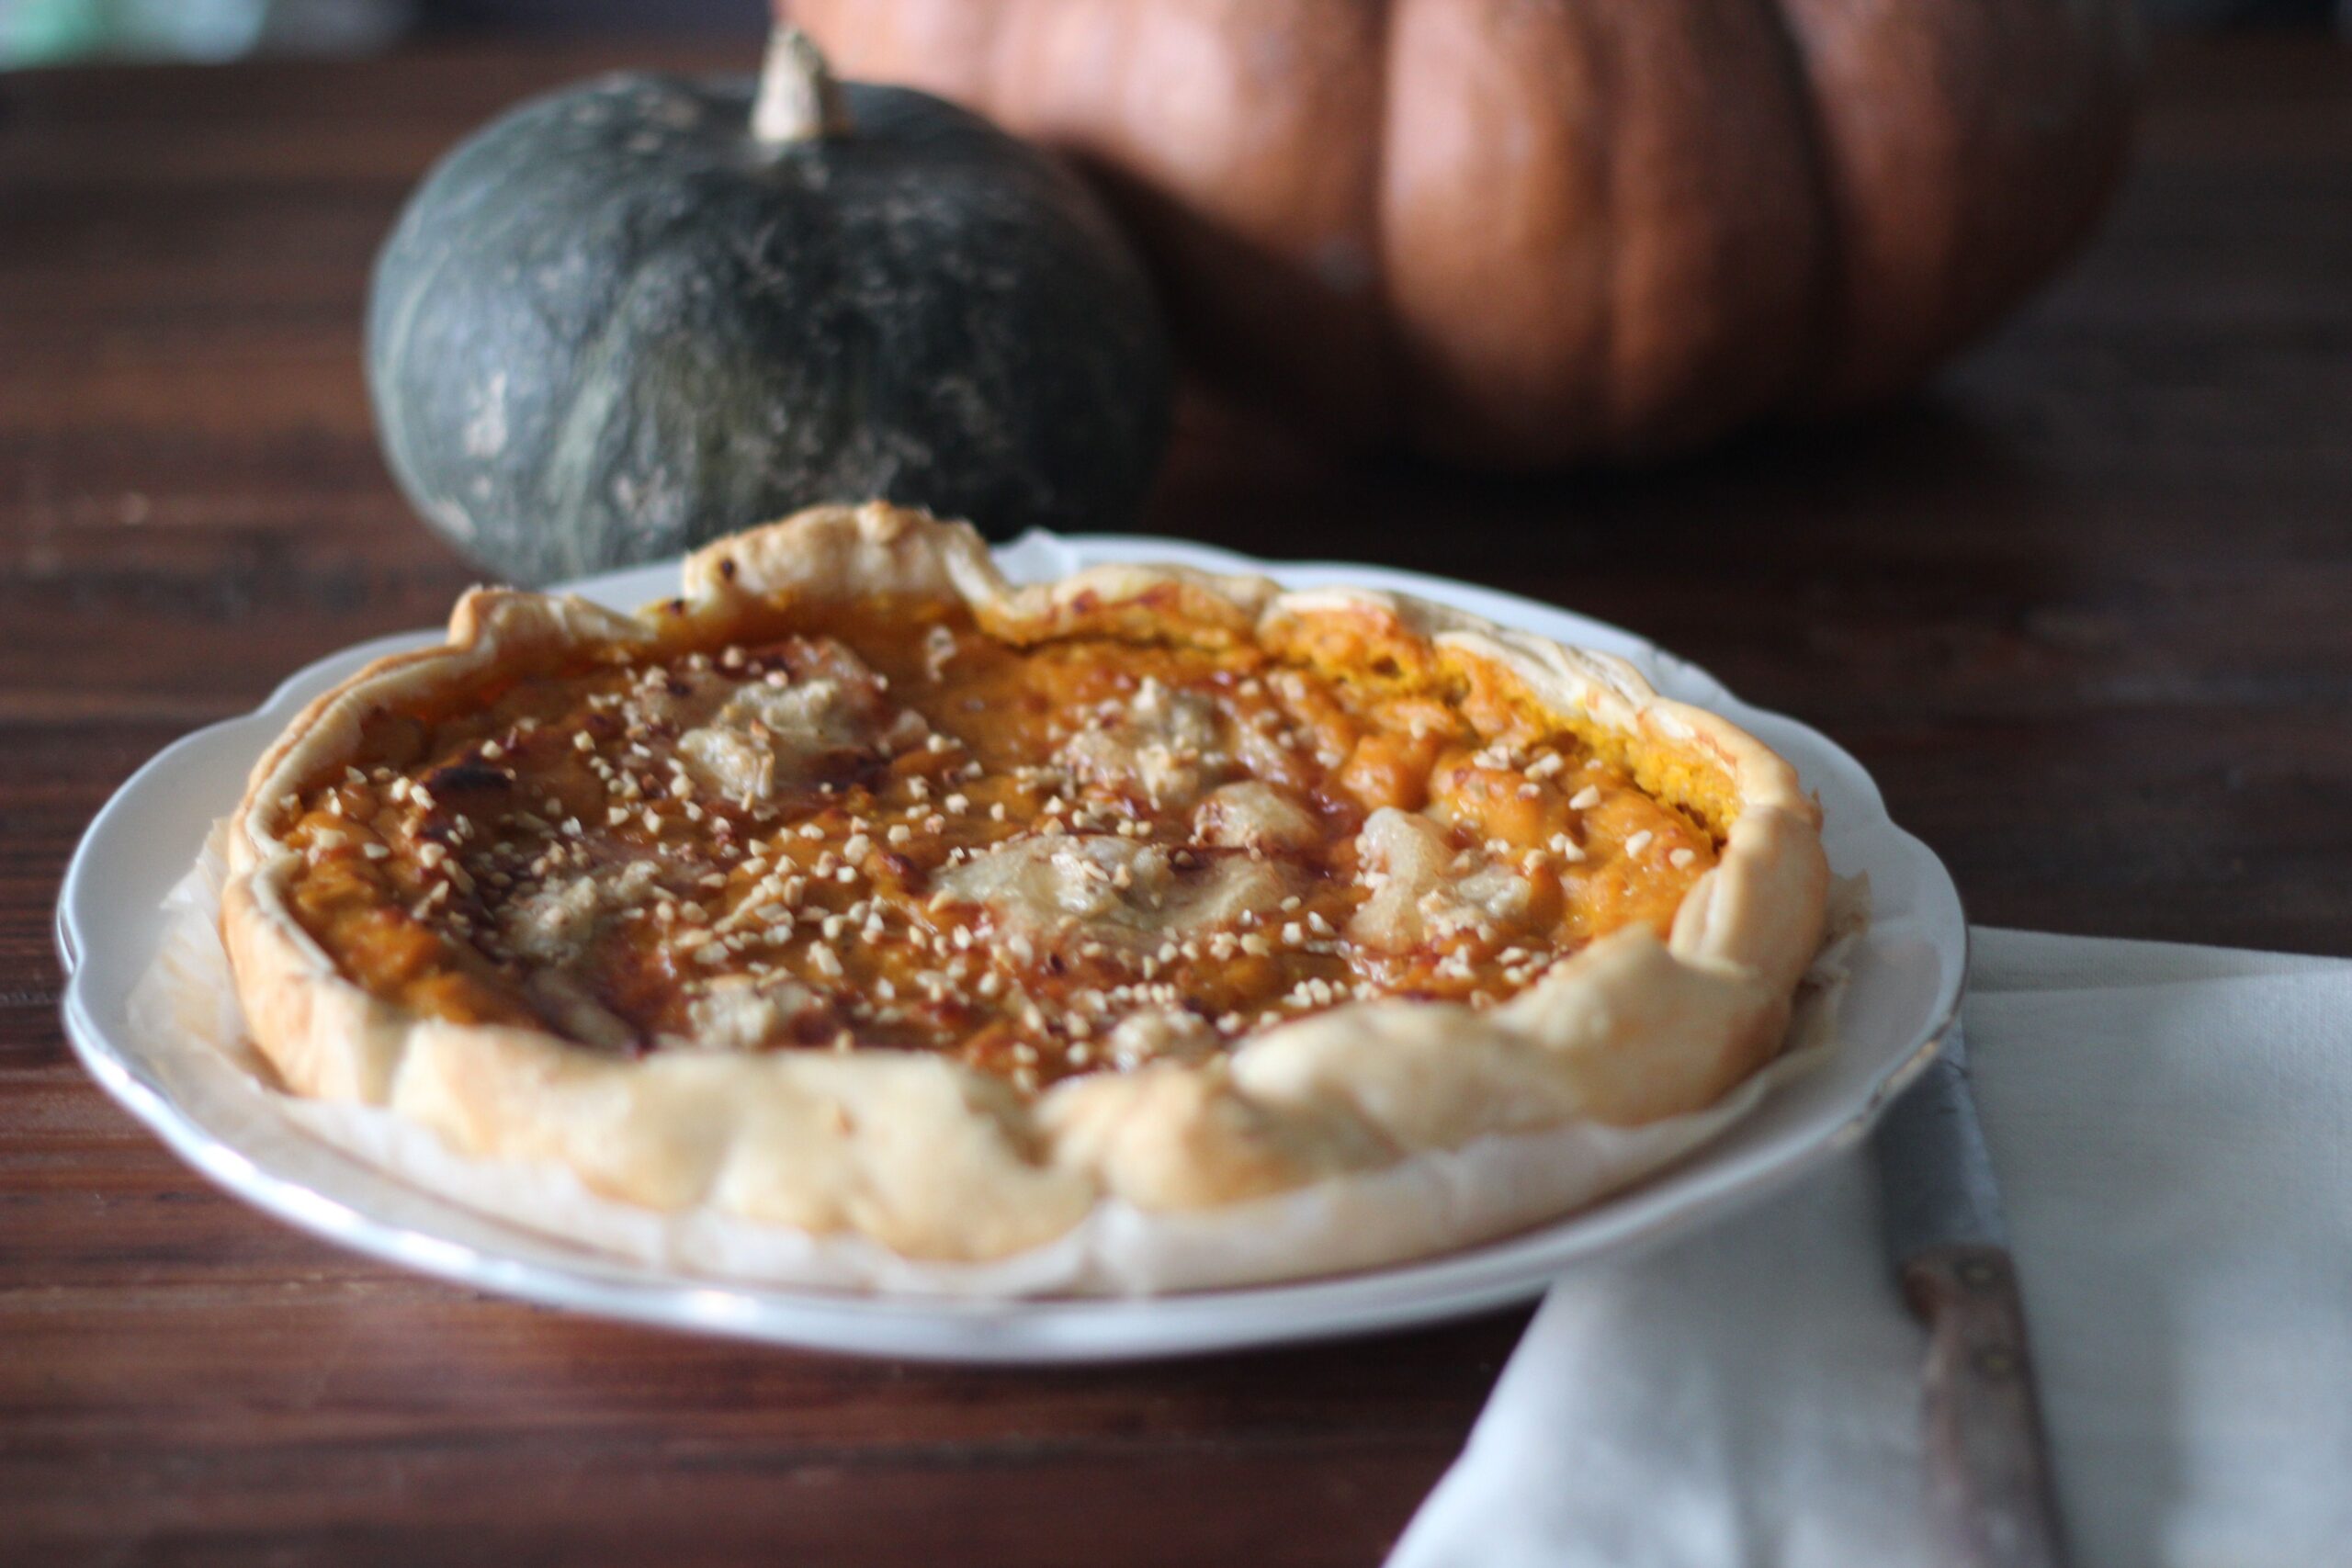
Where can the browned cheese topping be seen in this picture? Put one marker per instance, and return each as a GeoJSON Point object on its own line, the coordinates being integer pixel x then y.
{"type": "Point", "coordinates": [896, 832]}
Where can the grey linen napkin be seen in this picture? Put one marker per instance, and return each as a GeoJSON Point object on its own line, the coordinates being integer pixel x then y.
{"type": "Point", "coordinates": [2172, 1128]}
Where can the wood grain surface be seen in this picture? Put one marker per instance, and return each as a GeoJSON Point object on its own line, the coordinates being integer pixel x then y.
{"type": "Point", "coordinates": [2085, 608]}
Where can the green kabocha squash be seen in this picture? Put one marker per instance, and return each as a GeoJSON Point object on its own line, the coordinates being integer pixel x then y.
{"type": "Point", "coordinates": [640, 312]}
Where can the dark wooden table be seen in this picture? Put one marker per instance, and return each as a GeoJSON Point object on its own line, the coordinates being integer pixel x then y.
{"type": "Point", "coordinates": [2086, 609]}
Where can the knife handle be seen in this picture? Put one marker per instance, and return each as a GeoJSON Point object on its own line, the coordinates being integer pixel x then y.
{"type": "Point", "coordinates": [1988, 1468]}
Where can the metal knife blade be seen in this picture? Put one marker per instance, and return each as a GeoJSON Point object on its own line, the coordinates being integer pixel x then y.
{"type": "Point", "coordinates": [1988, 1478]}
{"type": "Point", "coordinates": [1936, 1184]}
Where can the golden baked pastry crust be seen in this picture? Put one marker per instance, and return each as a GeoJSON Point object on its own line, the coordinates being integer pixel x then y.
{"type": "Point", "coordinates": [1329, 991]}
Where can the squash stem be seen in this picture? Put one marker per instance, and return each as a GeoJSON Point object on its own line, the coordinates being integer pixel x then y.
{"type": "Point", "coordinates": [798, 98]}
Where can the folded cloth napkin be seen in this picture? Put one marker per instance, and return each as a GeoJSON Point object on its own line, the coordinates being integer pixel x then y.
{"type": "Point", "coordinates": [2172, 1129]}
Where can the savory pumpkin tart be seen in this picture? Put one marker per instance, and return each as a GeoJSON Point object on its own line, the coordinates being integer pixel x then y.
{"type": "Point", "coordinates": [858, 891]}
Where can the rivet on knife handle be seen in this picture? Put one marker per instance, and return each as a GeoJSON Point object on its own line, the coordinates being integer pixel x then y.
{"type": "Point", "coordinates": [1988, 1470]}
{"type": "Point", "coordinates": [1988, 1482]}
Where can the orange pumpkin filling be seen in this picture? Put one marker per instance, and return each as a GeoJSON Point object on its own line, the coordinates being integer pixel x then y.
{"type": "Point", "coordinates": [892, 830]}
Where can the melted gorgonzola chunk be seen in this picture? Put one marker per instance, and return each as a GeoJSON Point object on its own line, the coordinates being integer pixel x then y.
{"type": "Point", "coordinates": [740, 1013]}
{"type": "Point", "coordinates": [771, 737]}
{"type": "Point", "coordinates": [1067, 888]}
{"type": "Point", "coordinates": [1164, 746]}
{"type": "Point", "coordinates": [1254, 816]}
{"type": "Point", "coordinates": [1421, 890]}
{"type": "Point", "coordinates": [555, 925]}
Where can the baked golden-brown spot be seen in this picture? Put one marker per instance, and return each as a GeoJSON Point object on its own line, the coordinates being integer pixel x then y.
{"type": "Point", "coordinates": [890, 829]}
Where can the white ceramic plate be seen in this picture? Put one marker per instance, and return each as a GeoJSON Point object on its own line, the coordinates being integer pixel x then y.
{"type": "Point", "coordinates": [1905, 988]}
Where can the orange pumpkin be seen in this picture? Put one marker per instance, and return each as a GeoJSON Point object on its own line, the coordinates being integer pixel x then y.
{"type": "Point", "coordinates": [1522, 232]}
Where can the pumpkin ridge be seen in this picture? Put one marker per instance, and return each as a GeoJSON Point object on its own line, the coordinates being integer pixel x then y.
{"type": "Point", "coordinates": [1810, 365]}
{"type": "Point", "coordinates": [1835, 194]}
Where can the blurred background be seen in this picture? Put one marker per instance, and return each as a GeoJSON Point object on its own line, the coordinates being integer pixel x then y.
{"type": "Point", "coordinates": [41, 32]}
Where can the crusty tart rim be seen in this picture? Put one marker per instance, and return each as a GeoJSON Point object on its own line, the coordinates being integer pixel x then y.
{"type": "Point", "coordinates": [935, 1161]}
